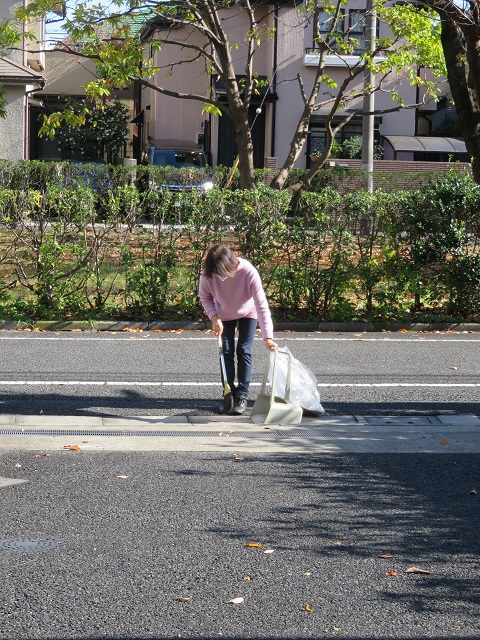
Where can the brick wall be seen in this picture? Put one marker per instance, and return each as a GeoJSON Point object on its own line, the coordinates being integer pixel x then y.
{"type": "Point", "coordinates": [398, 174]}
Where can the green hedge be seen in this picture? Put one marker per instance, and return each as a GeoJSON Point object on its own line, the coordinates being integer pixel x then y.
{"type": "Point", "coordinates": [78, 244]}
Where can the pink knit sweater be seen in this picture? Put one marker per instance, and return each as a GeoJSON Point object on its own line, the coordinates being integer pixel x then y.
{"type": "Point", "coordinates": [239, 297]}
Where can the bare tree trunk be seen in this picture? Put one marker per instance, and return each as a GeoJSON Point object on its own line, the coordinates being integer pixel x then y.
{"type": "Point", "coordinates": [243, 138]}
{"type": "Point", "coordinates": [464, 81]}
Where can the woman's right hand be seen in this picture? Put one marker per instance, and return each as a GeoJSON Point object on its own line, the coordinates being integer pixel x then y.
{"type": "Point", "coordinates": [217, 326]}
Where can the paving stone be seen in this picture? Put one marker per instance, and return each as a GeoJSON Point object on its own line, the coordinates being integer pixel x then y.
{"type": "Point", "coordinates": [143, 422]}
{"type": "Point", "coordinates": [460, 420]}
{"type": "Point", "coordinates": [58, 421]}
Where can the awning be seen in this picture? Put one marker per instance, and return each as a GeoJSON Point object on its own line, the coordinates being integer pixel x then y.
{"type": "Point", "coordinates": [424, 144]}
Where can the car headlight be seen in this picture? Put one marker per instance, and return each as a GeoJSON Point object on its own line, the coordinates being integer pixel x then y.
{"type": "Point", "coordinates": [207, 186]}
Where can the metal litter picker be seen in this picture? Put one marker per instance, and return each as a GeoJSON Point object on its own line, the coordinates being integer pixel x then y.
{"type": "Point", "coordinates": [228, 400]}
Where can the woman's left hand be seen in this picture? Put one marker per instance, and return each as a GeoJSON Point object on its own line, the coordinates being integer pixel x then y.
{"type": "Point", "coordinates": [270, 344]}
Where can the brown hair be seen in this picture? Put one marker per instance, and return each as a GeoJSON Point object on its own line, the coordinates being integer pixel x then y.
{"type": "Point", "coordinates": [221, 260]}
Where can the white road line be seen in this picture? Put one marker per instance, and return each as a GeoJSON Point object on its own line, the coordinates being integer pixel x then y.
{"type": "Point", "coordinates": [132, 383]}
{"type": "Point", "coordinates": [145, 338]}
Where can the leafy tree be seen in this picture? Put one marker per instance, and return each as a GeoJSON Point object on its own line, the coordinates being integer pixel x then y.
{"type": "Point", "coordinates": [460, 38]}
{"type": "Point", "coordinates": [108, 37]}
{"type": "Point", "coordinates": [104, 128]}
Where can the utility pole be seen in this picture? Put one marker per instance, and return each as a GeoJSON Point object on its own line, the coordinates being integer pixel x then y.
{"type": "Point", "coordinates": [369, 99]}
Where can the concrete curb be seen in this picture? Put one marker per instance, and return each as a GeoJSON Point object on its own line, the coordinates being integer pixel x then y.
{"type": "Point", "coordinates": [441, 434]}
{"type": "Point", "coordinates": [192, 325]}
{"type": "Point", "coordinates": [427, 424]}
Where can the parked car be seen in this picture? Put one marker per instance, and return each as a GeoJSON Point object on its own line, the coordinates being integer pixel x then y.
{"type": "Point", "coordinates": [185, 165]}
{"type": "Point", "coordinates": [93, 173]}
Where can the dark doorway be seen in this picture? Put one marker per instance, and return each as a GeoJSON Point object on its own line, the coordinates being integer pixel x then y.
{"type": "Point", "coordinates": [227, 147]}
{"type": "Point", "coordinates": [41, 148]}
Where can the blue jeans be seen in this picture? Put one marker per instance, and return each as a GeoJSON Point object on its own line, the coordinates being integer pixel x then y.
{"type": "Point", "coordinates": [246, 333]}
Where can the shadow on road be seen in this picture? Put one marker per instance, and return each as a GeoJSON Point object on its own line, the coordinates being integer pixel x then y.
{"type": "Point", "coordinates": [131, 402]}
{"type": "Point", "coordinates": [137, 529]}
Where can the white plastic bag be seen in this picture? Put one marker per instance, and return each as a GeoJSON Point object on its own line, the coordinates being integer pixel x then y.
{"type": "Point", "coordinates": [303, 385]}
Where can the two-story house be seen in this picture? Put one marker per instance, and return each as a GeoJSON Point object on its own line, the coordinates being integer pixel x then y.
{"type": "Point", "coordinates": [21, 75]}
{"type": "Point", "coordinates": [290, 54]}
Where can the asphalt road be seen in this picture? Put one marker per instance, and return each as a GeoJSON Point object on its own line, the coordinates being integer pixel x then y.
{"type": "Point", "coordinates": [178, 373]}
{"type": "Point", "coordinates": [131, 532]}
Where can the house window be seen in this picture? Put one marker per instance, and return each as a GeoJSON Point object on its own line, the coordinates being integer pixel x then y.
{"type": "Point", "coordinates": [318, 136]}
{"type": "Point", "coordinates": [356, 24]}
{"type": "Point", "coordinates": [327, 29]}
{"type": "Point", "coordinates": [354, 42]}
{"type": "Point", "coordinates": [354, 128]}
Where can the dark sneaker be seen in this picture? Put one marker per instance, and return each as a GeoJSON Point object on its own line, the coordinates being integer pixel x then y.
{"type": "Point", "coordinates": [240, 406]}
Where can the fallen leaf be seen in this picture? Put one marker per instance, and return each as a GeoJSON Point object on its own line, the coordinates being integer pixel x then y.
{"type": "Point", "coordinates": [473, 492]}
{"type": "Point", "coordinates": [247, 578]}
{"type": "Point", "coordinates": [416, 570]}
{"type": "Point", "coordinates": [308, 608]}
{"type": "Point", "coordinates": [18, 466]}
{"type": "Point", "coordinates": [254, 544]}
{"type": "Point", "coordinates": [384, 556]}
{"type": "Point", "coordinates": [444, 442]}
{"type": "Point", "coordinates": [122, 477]}
{"type": "Point", "coordinates": [183, 598]}
{"type": "Point", "coordinates": [72, 447]}
{"type": "Point", "coordinates": [238, 600]}
{"type": "Point", "coordinates": [391, 573]}
{"type": "Point", "coordinates": [337, 543]}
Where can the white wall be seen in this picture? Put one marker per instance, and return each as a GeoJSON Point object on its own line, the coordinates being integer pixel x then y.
{"type": "Point", "coordinates": [294, 38]}
{"type": "Point", "coordinates": [168, 117]}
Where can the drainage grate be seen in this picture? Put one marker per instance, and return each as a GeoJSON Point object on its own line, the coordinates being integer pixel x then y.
{"type": "Point", "coordinates": [169, 434]}
{"type": "Point", "coordinates": [349, 434]}
{"type": "Point", "coordinates": [27, 544]}
{"type": "Point", "coordinates": [297, 433]}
